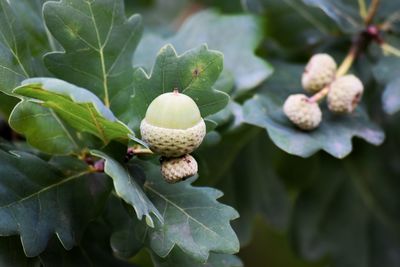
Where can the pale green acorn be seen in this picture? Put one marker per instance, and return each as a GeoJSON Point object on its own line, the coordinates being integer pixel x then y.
{"type": "Point", "coordinates": [177, 169]}
{"type": "Point", "coordinates": [173, 125]}
{"type": "Point", "coordinates": [305, 114]}
{"type": "Point", "coordinates": [344, 94]}
{"type": "Point", "coordinates": [319, 72]}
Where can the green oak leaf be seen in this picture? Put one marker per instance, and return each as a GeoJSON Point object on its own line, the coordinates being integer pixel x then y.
{"type": "Point", "coordinates": [15, 58]}
{"type": "Point", "coordinates": [386, 72]}
{"type": "Point", "coordinates": [178, 258]}
{"type": "Point", "coordinates": [193, 73]}
{"type": "Point", "coordinates": [348, 214]}
{"type": "Point", "coordinates": [209, 27]}
{"type": "Point", "coordinates": [93, 250]}
{"type": "Point", "coordinates": [32, 120]}
{"type": "Point", "coordinates": [40, 200]}
{"type": "Point", "coordinates": [21, 48]}
{"type": "Point", "coordinates": [311, 28]}
{"type": "Point", "coordinates": [77, 106]}
{"type": "Point", "coordinates": [253, 188]}
{"type": "Point", "coordinates": [35, 31]}
{"type": "Point", "coordinates": [7, 104]}
{"type": "Point", "coordinates": [99, 42]}
{"type": "Point", "coordinates": [333, 135]}
{"type": "Point", "coordinates": [128, 189]}
{"type": "Point", "coordinates": [344, 13]}
{"type": "Point", "coordinates": [193, 219]}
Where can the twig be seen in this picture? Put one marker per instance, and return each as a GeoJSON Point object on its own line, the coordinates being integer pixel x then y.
{"type": "Point", "coordinates": [373, 8]}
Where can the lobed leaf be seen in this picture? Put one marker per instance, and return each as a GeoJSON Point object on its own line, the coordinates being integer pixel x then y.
{"type": "Point", "coordinates": [193, 220]}
{"type": "Point", "coordinates": [99, 42]}
{"type": "Point", "coordinates": [127, 188]}
{"type": "Point", "coordinates": [209, 27]}
{"type": "Point", "coordinates": [43, 129]}
{"type": "Point", "coordinates": [334, 133]}
{"type": "Point", "coordinates": [77, 106]}
{"type": "Point", "coordinates": [39, 200]}
{"type": "Point", "coordinates": [193, 73]}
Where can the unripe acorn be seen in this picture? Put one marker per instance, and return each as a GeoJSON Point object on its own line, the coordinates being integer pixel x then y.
{"type": "Point", "coordinates": [344, 94]}
{"type": "Point", "coordinates": [173, 125]}
{"type": "Point", "coordinates": [305, 114]}
{"type": "Point", "coordinates": [319, 72]}
{"type": "Point", "coordinates": [178, 169]}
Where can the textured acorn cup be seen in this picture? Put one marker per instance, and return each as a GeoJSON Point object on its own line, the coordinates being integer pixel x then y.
{"type": "Point", "coordinates": [303, 113]}
{"type": "Point", "coordinates": [173, 125]}
{"type": "Point", "coordinates": [178, 169]}
{"type": "Point", "coordinates": [319, 72]}
{"type": "Point", "coordinates": [344, 94]}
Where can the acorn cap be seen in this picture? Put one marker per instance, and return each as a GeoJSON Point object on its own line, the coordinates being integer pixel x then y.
{"type": "Point", "coordinates": [344, 94]}
{"type": "Point", "coordinates": [305, 114]}
{"type": "Point", "coordinates": [173, 125]}
{"type": "Point", "coordinates": [178, 169]}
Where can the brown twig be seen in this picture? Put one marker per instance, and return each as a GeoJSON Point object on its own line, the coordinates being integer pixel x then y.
{"type": "Point", "coordinates": [373, 8]}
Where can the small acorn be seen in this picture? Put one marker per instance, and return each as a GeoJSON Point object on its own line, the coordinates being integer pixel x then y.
{"type": "Point", "coordinates": [344, 94]}
{"type": "Point", "coordinates": [319, 72]}
{"type": "Point", "coordinates": [173, 125]}
{"type": "Point", "coordinates": [177, 169]}
{"type": "Point", "coordinates": [303, 113]}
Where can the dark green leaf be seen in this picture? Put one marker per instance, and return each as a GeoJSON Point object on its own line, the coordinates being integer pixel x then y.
{"type": "Point", "coordinates": [193, 73]}
{"type": "Point", "coordinates": [94, 250]}
{"type": "Point", "coordinates": [349, 213]}
{"type": "Point", "coordinates": [15, 59]}
{"type": "Point", "coordinates": [193, 220]}
{"type": "Point", "coordinates": [77, 106]}
{"type": "Point", "coordinates": [127, 188]}
{"type": "Point", "coordinates": [285, 37]}
{"type": "Point", "coordinates": [38, 200]}
{"type": "Point", "coordinates": [210, 27]}
{"type": "Point", "coordinates": [334, 135]}
{"type": "Point", "coordinates": [253, 188]}
{"type": "Point", "coordinates": [22, 43]}
{"type": "Point", "coordinates": [344, 13]}
{"type": "Point", "coordinates": [387, 72]}
{"type": "Point", "coordinates": [35, 32]}
{"type": "Point", "coordinates": [178, 258]}
{"type": "Point", "coordinates": [99, 42]}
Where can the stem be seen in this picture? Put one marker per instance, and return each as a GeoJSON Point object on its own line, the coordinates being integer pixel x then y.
{"type": "Point", "coordinates": [348, 61]}
{"type": "Point", "coordinates": [362, 8]}
{"type": "Point", "coordinates": [372, 11]}
{"type": "Point", "coordinates": [390, 50]}
{"type": "Point", "coordinates": [138, 151]}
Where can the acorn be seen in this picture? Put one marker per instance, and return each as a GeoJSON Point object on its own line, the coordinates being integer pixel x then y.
{"type": "Point", "coordinates": [177, 169]}
{"type": "Point", "coordinates": [302, 112]}
{"type": "Point", "coordinates": [344, 94]}
{"type": "Point", "coordinates": [319, 72]}
{"type": "Point", "coordinates": [173, 125]}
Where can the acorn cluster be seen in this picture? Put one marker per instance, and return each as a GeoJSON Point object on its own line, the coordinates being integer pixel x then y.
{"type": "Point", "coordinates": [173, 128]}
{"type": "Point", "coordinates": [343, 93]}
